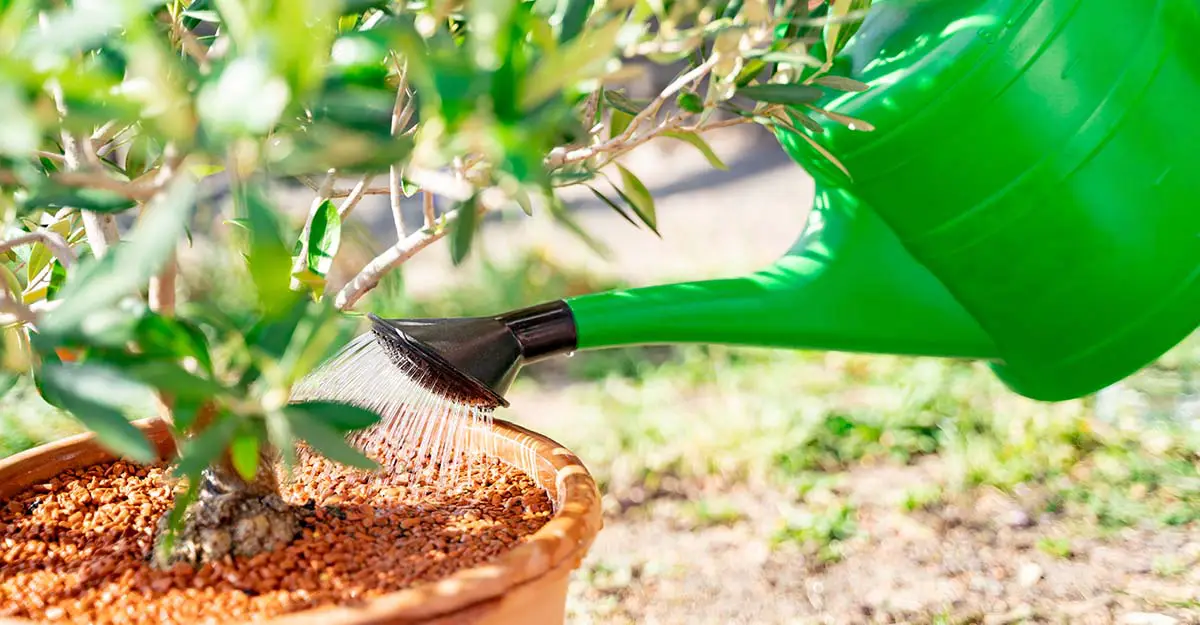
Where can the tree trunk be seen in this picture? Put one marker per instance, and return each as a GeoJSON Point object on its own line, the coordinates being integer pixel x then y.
{"type": "Point", "coordinates": [231, 516]}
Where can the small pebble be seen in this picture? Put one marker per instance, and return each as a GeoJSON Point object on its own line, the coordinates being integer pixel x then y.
{"type": "Point", "coordinates": [394, 531]}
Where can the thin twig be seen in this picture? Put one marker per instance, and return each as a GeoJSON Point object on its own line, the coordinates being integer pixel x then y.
{"type": "Point", "coordinates": [37, 308]}
{"type": "Point", "coordinates": [626, 139]}
{"type": "Point", "coordinates": [52, 240]}
{"type": "Point", "coordinates": [391, 258]}
{"type": "Point", "coordinates": [401, 113]}
{"type": "Point", "coordinates": [427, 208]}
{"type": "Point", "coordinates": [15, 310]}
{"type": "Point", "coordinates": [370, 275]}
{"type": "Point", "coordinates": [356, 195]}
{"type": "Point", "coordinates": [101, 229]}
{"type": "Point", "coordinates": [161, 296]}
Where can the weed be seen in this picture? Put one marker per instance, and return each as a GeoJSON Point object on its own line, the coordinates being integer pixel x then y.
{"type": "Point", "coordinates": [708, 512]}
{"type": "Point", "coordinates": [922, 498]}
{"type": "Point", "coordinates": [1056, 547]}
{"type": "Point", "coordinates": [823, 533]}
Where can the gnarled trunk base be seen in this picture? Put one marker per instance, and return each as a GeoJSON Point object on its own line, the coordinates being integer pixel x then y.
{"type": "Point", "coordinates": [230, 517]}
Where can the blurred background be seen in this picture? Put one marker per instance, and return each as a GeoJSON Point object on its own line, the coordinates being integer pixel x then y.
{"type": "Point", "coordinates": [752, 486]}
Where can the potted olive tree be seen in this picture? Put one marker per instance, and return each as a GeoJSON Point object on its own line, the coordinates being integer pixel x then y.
{"type": "Point", "coordinates": [118, 115]}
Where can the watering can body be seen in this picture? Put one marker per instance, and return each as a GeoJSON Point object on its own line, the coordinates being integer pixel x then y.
{"type": "Point", "coordinates": [1030, 198]}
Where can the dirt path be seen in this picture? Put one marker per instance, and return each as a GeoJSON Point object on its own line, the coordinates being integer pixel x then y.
{"type": "Point", "coordinates": [984, 560]}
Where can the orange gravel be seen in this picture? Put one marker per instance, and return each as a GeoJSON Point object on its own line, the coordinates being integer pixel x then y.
{"type": "Point", "coordinates": [75, 548]}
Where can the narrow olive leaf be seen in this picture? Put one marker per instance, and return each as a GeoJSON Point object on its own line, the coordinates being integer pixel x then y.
{"type": "Point", "coordinates": [776, 93]}
{"type": "Point", "coordinates": [845, 120]}
{"type": "Point", "coordinates": [243, 452]}
{"type": "Point", "coordinates": [101, 284]}
{"type": "Point", "coordinates": [623, 103]}
{"type": "Point", "coordinates": [821, 150]}
{"type": "Point", "coordinates": [792, 59]}
{"type": "Point", "coordinates": [53, 195]}
{"type": "Point", "coordinates": [571, 17]}
{"type": "Point", "coordinates": [700, 144]}
{"type": "Point", "coordinates": [341, 417]}
{"type": "Point", "coordinates": [613, 205]}
{"type": "Point", "coordinates": [464, 229]}
{"type": "Point", "coordinates": [269, 260]}
{"type": "Point", "coordinates": [618, 123]}
{"type": "Point", "coordinates": [639, 198]}
{"type": "Point", "coordinates": [845, 18]}
{"type": "Point", "coordinates": [174, 379]}
{"type": "Point", "coordinates": [841, 83]}
{"type": "Point", "coordinates": [521, 197]}
{"type": "Point", "coordinates": [199, 451]}
{"type": "Point", "coordinates": [282, 438]}
{"type": "Point", "coordinates": [325, 439]}
{"type": "Point", "coordinates": [99, 396]}
{"type": "Point", "coordinates": [559, 212]}
{"type": "Point", "coordinates": [806, 121]}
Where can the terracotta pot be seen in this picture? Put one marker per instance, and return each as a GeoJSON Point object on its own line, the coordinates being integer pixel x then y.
{"type": "Point", "coordinates": [524, 586]}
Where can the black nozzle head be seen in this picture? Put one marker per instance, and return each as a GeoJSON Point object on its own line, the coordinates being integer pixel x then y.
{"type": "Point", "coordinates": [429, 367]}
{"type": "Point", "coordinates": [474, 360]}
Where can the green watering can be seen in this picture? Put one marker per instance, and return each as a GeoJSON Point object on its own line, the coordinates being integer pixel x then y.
{"type": "Point", "coordinates": [1031, 198]}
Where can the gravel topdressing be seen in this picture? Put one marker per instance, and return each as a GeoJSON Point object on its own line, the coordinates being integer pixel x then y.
{"type": "Point", "coordinates": [75, 548]}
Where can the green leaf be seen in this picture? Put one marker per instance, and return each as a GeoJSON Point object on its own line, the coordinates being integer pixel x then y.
{"type": "Point", "coordinates": [171, 378]}
{"type": "Point", "coordinates": [623, 103]}
{"type": "Point", "coordinates": [571, 17]}
{"type": "Point", "coordinates": [639, 198]}
{"type": "Point", "coordinates": [324, 238]}
{"type": "Point", "coordinates": [782, 93]}
{"type": "Point", "coordinates": [243, 452]}
{"type": "Point", "coordinates": [282, 437]}
{"type": "Point", "coordinates": [690, 101]}
{"type": "Point", "coordinates": [269, 260]}
{"type": "Point", "coordinates": [99, 396]}
{"type": "Point", "coordinates": [619, 122]}
{"type": "Point", "coordinates": [464, 229]}
{"type": "Point", "coordinates": [840, 28]}
{"type": "Point", "coordinates": [164, 337]}
{"type": "Point", "coordinates": [201, 450]}
{"type": "Point", "coordinates": [560, 213]}
{"type": "Point", "coordinates": [613, 205]}
{"type": "Point", "coordinates": [325, 439]}
{"type": "Point", "coordinates": [841, 83]}
{"type": "Point", "coordinates": [700, 144]}
{"type": "Point", "coordinates": [54, 195]}
{"type": "Point", "coordinates": [521, 197]}
{"type": "Point", "coordinates": [582, 58]}
{"type": "Point", "coordinates": [341, 417]}
{"type": "Point", "coordinates": [126, 268]}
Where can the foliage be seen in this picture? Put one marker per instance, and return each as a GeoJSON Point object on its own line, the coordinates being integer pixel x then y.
{"type": "Point", "coordinates": [119, 115]}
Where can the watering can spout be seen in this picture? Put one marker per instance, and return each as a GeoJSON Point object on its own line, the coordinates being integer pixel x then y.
{"type": "Point", "coordinates": [846, 285]}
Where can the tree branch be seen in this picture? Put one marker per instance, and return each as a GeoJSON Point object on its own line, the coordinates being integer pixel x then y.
{"type": "Point", "coordinates": [370, 275]}
{"type": "Point", "coordinates": [101, 229]}
{"type": "Point", "coordinates": [52, 240]}
{"type": "Point", "coordinates": [356, 195]}
{"type": "Point", "coordinates": [401, 113]}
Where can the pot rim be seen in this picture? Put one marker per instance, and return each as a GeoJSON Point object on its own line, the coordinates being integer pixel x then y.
{"type": "Point", "coordinates": [559, 544]}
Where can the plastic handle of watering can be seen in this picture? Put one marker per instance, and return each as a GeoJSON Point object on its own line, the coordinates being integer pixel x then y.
{"type": "Point", "coordinates": [847, 285]}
